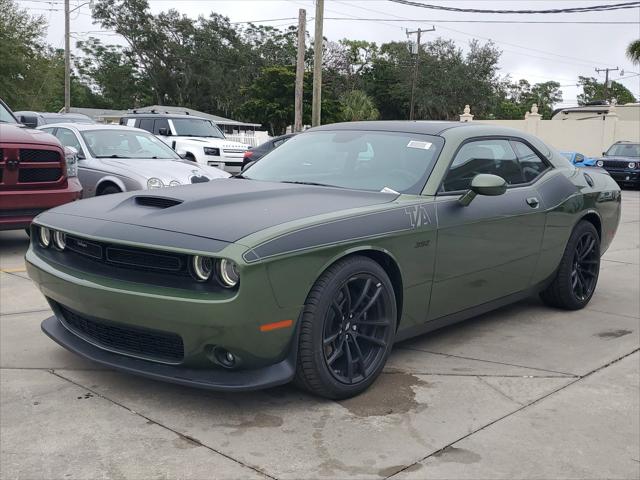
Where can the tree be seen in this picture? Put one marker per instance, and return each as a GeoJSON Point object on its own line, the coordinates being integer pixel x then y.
{"type": "Point", "coordinates": [357, 105]}
{"type": "Point", "coordinates": [593, 90]}
{"type": "Point", "coordinates": [633, 52]}
{"type": "Point", "coordinates": [519, 97]}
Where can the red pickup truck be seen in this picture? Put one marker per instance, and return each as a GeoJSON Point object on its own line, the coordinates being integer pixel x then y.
{"type": "Point", "coordinates": [36, 173]}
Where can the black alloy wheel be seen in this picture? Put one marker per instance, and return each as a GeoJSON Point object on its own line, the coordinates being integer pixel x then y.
{"type": "Point", "coordinates": [356, 327]}
{"type": "Point", "coordinates": [586, 261]}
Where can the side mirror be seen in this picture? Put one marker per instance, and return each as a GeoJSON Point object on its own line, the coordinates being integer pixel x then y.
{"type": "Point", "coordinates": [604, 154]}
{"type": "Point", "coordinates": [484, 184]}
{"type": "Point", "coordinates": [165, 132]}
{"type": "Point", "coordinates": [29, 120]}
{"type": "Point", "coordinates": [248, 165]}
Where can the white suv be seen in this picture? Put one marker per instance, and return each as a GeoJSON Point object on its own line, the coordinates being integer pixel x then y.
{"type": "Point", "coordinates": [193, 138]}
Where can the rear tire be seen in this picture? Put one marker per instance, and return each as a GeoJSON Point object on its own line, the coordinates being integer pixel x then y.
{"type": "Point", "coordinates": [347, 329]}
{"type": "Point", "coordinates": [577, 274]}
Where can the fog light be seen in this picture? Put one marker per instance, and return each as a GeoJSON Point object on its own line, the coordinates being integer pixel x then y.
{"type": "Point", "coordinates": [222, 356]}
{"type": "Point", "coordinates": [59, 240]}
{"type": "Point", "coordinates": [44, 234]}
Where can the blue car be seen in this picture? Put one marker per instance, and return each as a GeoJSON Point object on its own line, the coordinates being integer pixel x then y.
{"type": "Point", "coordinates": [579, 159]}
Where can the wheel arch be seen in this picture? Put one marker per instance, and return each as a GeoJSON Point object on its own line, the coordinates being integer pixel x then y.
{"type": "Point", "coordinates": [389, 264]}
{"type": "Point", "coordinates": [106, 181]}
{"type": "Point", "coordinates": [594, 218]}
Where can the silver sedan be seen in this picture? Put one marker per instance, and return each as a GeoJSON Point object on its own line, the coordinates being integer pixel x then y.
{"type": "Point", "coordinates": [114, 158]}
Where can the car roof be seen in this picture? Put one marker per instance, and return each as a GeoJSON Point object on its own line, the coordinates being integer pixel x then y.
{"type": "Point", "coordinates": [83, 127]}
{"type": "Point", "coordinates": [425, 127]}
{"type": "Point", "coordinates": [161, 115]}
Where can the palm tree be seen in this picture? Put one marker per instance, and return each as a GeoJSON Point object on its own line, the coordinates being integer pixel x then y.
{"type": "Point", "coordinates": [357, 105]}
{"type": "Point", "coordinates": [633, 52]}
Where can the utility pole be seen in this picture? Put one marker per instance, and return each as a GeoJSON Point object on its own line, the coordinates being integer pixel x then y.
{"type": "Point", "coordinates": [317, 65]}
{"type": "Point", "coordinates": [302, 27]}
{"type": "Point", "coordinates": [67, 57]}
{"type": "Point", "coordinates": [414, 81]}
{"type": "Point", "coordinates": [606, 79]}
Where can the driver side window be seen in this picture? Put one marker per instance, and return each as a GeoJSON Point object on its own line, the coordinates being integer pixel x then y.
{"type": "Point", "coordinates": [493, 156]}
{"type": "Point", "coordinates": [69, 139]}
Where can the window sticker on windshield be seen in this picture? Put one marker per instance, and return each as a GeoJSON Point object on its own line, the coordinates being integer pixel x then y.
{"type": "Point", "coordinates": [418, 144]}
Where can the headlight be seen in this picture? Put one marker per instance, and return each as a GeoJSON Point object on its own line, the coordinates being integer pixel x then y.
{"type": "Point", "coordinates": [59, 240]}
{"type": "Point", "coordinates": [154, 183]}
{"type": "Point", "coordinates": [632, 164]}
{"type": "Point", "coordinates": [174, 183]}
{"type": "Point", "coordinates": [71, 159]}
{"type": "Point", "coordinates": [201, 267]}
{"type": "Point", "coordinates": [228, 273]}
{"type": "Point", "coordinates": [44, 235]}
{"type": "Point", "coordinates": [212, 151]}
{"type": "Point", "coordinates": [600, 163]}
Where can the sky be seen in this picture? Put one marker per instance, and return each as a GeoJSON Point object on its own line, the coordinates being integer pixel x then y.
{"type": "Point", "coordinates": [537, 52]}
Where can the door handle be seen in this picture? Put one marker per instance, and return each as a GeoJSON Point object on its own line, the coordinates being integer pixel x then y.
{"type": "Point", "coordinates": [533, 202]}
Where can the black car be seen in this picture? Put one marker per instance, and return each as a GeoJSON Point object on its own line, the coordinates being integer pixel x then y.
{"type": "Point", "coordinates": [622, 161]}
{"type": "Point", "coordinates": [255, 154]}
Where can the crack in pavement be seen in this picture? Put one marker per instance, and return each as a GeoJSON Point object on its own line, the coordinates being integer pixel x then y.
{"type": "Point", "coordinates": [613, 314]}
{"type": "Point", "coordinates": [488, 375]}
{"type": "Point", "coordinates": [155, 422]}
{"type": "Point", "coordinates": [500, 392]}
{"type": "Point", "coordinates": [3, 314]}
{"type": "Point", "coordinates": [488, 361]}
{"type": "Point", "coordinates": [534, 402]}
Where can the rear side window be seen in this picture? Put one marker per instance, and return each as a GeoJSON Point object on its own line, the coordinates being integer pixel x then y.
{"type": "Point", "coordinates": [160, 123]}
{"type": "Point", "coordinates": [146, 124]}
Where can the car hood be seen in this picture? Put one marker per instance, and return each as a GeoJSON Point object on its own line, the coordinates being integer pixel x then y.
{"type": "Point", "coordinates": [225, 209]}
{"type": "Point", "coordinates": [211, 142]}
{"type": "Point", "coordinates": [11, 133]}
{"type": "Point", "coordinates": [619, 158]}
{"type": "Point", "coordinates": [181, 170]}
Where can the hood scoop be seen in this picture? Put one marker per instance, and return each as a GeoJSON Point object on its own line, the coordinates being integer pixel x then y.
{"type": "Point", "coordinates": [157, 202]}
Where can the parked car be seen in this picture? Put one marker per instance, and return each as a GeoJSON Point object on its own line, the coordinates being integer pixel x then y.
{"type": "Point", "coordinates": [315, 262]}
{"type": "Point", "coordinates": [113, 159]}
{"type": "Point", "coordinates": [195, 138]}
{"type": "Point", "coordinates": [622, 161]}
{"type": "Point", "coordinates": [255, 154]}
{"type": "Point", "coordinates": [36, 173]}
{"type": "Point", "coordinates": [579, 159]}
{"type": "Point", "coordinates": [37, 119]}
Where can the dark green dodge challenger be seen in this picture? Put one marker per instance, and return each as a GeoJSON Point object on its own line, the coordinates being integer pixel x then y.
{"type": "Point", "coordinates": [311, 264]}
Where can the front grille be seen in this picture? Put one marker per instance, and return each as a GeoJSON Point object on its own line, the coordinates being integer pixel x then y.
{"type": "Point", "coordinates": [129, 257]}
{"type": "Point", "coordinates": [139, 259]}
{"type": "Point", "coordinates": [137, 341]}
{"type": "Point", "coordinates": [199, 179]}
{"type": "Point", "coordinates": [618, 163]}
{"type": "Point", "coordinates": [39, 175]}
{"type": "Point", "coordinates": [233, 150]}
{"type": "Point", "coordinates": [1, 175]}
{"type": "Point", "coordinates": [31, 155]}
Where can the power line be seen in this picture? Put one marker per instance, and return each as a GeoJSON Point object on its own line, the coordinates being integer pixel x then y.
{"type": "Point", "coordinates": [592, 8]}
{"type": "Point", "coordinates": [540, 22]}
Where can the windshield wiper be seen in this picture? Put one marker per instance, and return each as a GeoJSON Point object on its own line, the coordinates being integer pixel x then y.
{"type": "Point", "coordinates": [110, 156]}
{"type": "Point", "coordinates": [309, 183]}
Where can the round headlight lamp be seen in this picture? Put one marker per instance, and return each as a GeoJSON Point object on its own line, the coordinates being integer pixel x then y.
{"type": "Point", "coordinates": [59, 240]}
{"type": "Point", "coordinates": [632, 164]}
{"type": "Point", "coordinates": [228, 273]}
{"type": "Point", "coordinates": [153, 183]}
{"type": "Point", "coordinates": [174, 183]}
{"type": "Point", "coordinates": [600, 163]}
{"type": "Point", "coordinates": [202, 268]}
{"type": "Point", "coordinates": [44, 235]}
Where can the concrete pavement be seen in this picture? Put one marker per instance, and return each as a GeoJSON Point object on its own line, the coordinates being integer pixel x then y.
{"type": "Point", "coordinates": [523, 392]}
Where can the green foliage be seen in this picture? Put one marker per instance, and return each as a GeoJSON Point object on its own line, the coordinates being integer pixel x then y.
{"type": "Point", "coordinates": [633, 52]}
{"type": "Point", "coordinates": [519, 97]}
{"type": "Point", "coordinates": [594, 90]}
{"type": "Point", "coordinates": [356, 106]}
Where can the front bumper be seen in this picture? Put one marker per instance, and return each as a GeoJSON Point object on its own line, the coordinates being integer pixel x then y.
{"type": "Point", "coordinates": [625, 176]}
{"type": "Point", "coordinates": [221, 380]}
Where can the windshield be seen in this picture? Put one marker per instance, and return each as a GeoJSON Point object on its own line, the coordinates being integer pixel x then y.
{"type": "Point", "coordinates": [116, 143]}
{"type": "Point", "coordinates": [5, 115]}
{"type": "Point", "coordinates": [196, 127]}
{"type": "Point", "coordinates": [357, 159]}
{"type": "Point", "coordinates": [624, 150]}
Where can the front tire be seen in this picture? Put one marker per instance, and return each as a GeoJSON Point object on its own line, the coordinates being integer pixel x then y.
{"type": "Point", "coordinates": [347, 329]}
{"type": "Point", "coordinates": [577, 275]}
{"type": "Point", "coordinates": [109, 190]}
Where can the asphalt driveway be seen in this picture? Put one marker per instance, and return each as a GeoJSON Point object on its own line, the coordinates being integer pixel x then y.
{"type": "Point", "coordinates": [523, 392]}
